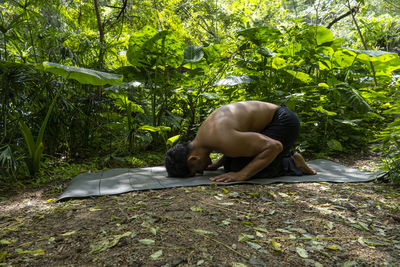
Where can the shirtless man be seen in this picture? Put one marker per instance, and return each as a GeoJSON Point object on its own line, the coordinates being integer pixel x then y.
{"type": "Point", "coordinates": [260, 133]}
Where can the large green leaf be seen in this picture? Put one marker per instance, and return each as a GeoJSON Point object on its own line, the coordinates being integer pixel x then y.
{"type": "Point", "coordinates": [374, 55]}
{"type": "Point", "coordinates": [324, 35]}
{"type": "Point", "coordinates": [134, 54]}
{"type": "Point", "coordinates": [46, 119]}
{"type": "Point", "coordinates": [149, 47]}
{"type": "Point", "coordinates": [193, 54]}
{"type": "Point", "coordinates": [36, 158]}
{"type": "Point", "coordinates": [29, 140]}
{"type": "Point", "coordinates": [304, 77]}
{"type": "Point", "coordinates": [386, 68]}
{"type": "Point", "coordinates": [279, 63]}
{"type": "Point", "coordinates": [155, 129]}
{"type": "Point", "coordinates": [236, 80]}
{"type": "Point", "coordinates": [344, 58]}
{"type": "Point", "coordinates": [83, 75]}
{"type": "Point", "coordinates": [260, 35]}
{"type": "Point", "coordinates": [354, 98]}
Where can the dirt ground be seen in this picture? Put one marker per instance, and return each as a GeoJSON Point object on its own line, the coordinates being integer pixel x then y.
{"type": "Point", "coordinates": [307, 224]}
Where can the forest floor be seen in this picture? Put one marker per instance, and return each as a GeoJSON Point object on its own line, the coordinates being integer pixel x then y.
{"type": "Point", "coordinates": [305, 224]}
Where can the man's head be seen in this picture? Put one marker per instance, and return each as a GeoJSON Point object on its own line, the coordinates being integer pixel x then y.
{"type": "Point", "coordinates": [183, 160]}
{"type": "Point", "coordinates": [175, 160]}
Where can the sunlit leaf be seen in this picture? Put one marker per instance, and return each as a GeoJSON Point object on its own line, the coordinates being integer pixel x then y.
{"type": "Point", "coordinates": [386, 68]}
{"type": "Point", "coordinates": [172, 140]}
{"type": "Point", "coordinates": [304, 77]}
{"type": "Point", "coordinates": [350, 264]}
{"type": "Point", "coordinates": [196, 208]}
{"type": "Point", "coordinates": [156, 255]}
{"type": "Point", "coordinates": [258, 234]}
{"type": "Point", "coordinates": [227, 203]}
{"type": "Point", "coordinates": [373, 55]}
{"type": "Point", "coordinates": [106, 244]}
{"type": "Point", "coordinates": [279, 63]}
{"type": "Point", "coordinates": [322, 110]}
{"type": "Point", "coordinates": [94, 209]}
{"type": "Point", "coordinates": [210, 96]}
{"type": "Point", "coordinates": [253, 245]}
{"type": "Point", "coordinates": [344, 58]}
{"type": "Point", "coordinates": [334, 247]}
{"type": "Point", "coordinates": [147, 241]}
{"type": "Point", "coordinates": [302, 252]}
{"type": "Point", "coordinates": [260, 229]}
{"type": "Point", "coordinates": [276, 246]}
{"type": "Point", "coordinates": [283, 231]}
{"type": "Point", "coordinates": [204, 232]}
{"type": "Point", "coordinates": [82, 75]}
{"type": "Point", "coordinates": [68, 233]}
{"type": "Point", "coordinates": [236, 80]}
{"type": "Point", "coordinates": [323, 85]}
{"type": "Point", "coordinates": [5, 242]}
{"type": "Point", "coordinates": [103, 245]}
{"type": "Point", "coordinates": [193, 54]}
{"type": "Point", "coordinates": [324, 35]}
{"type": "Point", "coordinates": [226, 191]}
{"type": "Point", "coordinates": [363, 226]}
{"type": "Point", "coordinates": [361, 241]}
{"type": "Point", "coordinates": [154, 129]}
{"type": "Point", "coordinates": [245, 237]}
{"type": "Point", "coordinates": [225, 222]}
{"type": "Point", "coordinates": [36, 252]}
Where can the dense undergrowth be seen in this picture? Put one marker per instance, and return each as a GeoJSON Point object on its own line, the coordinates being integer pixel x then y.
{"type": "Point", "coordinates": [147, 82]}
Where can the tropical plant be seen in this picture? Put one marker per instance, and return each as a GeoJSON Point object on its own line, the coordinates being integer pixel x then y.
{"type": "Point", "coordinates": [85, 76]}
{"type": "Point", "coordinates": [36, 147]}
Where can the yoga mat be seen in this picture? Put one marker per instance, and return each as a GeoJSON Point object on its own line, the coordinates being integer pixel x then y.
{"type": "Point", "coordinates": [118, 181]}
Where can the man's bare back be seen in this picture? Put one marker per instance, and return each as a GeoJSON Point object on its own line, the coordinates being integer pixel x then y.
{"type": "Point", "coordinates": [239, 130]}
{"type": "Point", "coordinates": [234, 129]}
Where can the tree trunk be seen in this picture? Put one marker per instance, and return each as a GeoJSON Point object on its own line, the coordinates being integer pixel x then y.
{"type": "Point", "coordinates": [100, 27]}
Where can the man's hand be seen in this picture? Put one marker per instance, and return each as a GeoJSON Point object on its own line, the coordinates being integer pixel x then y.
{"type": "Point", "coordinates": [229, 177]}
{"type": "Point", "coordinates": [212, 167]}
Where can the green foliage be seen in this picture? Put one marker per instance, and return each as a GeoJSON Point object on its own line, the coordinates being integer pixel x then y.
{"type": "Point", "coordinates": [7, 161]}
{"type": "Point", "coordinates": [83, 75]}
{"type": "Point", "coordinates": [178, 61]}
{"type": "Point", "coordinates": [388, 138]}
{"type": "Point", "coordinates": [35, 148]}
{"type": "Point", "coordinates": [151, 48]}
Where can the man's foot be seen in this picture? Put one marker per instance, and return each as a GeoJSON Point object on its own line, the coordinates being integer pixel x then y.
{"type": "Point", "coordinates": [301, 164]}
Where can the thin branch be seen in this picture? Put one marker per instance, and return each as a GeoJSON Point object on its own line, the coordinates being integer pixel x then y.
{"type": "Point", "coordinates": [363, 42]}
{"type": "Point", "coordinates": [392, 4]}
{"type": "Point", "coordinates": [348, 13]}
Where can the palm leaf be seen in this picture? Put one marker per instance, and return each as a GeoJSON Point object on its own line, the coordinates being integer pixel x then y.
{"type": "Point", "coordinates": [353, 97]}
{"type": "Point", "coordinates": [29, 140]}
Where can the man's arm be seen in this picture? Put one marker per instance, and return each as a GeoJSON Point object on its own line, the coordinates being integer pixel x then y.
{"type": "Point", "coordinates": [217, 164]}
{"type": "Point", "coordinates": [270, 149]}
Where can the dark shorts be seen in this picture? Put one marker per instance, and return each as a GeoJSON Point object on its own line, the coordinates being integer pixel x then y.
{"type": "Point", "coordinates": [284, 127]}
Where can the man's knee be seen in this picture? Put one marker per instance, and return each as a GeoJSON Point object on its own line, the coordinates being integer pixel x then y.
{"type": "Point", "coordinates": [276, 147]}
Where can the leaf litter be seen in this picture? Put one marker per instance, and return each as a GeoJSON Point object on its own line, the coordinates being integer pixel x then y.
{"type": "Point", "coordinates": [316, 224]}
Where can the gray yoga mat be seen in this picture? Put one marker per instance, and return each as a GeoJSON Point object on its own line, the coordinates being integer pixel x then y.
{"type": "Point", "coordinates": [117, 181]}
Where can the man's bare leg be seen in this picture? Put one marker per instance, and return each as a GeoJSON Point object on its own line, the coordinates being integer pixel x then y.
{"type": "Point", "coordinates": [301, 164]}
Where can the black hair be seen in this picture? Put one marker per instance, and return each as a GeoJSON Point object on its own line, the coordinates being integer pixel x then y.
{"type": "Point", "coordinates": [175, 160]}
